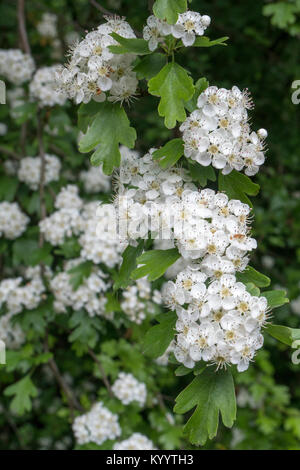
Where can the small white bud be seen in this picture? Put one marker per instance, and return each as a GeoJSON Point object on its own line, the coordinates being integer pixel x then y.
{"type": "Point", "coordinates": [262, 133]}
{"type": "Point", "coordinates": [205, 20]}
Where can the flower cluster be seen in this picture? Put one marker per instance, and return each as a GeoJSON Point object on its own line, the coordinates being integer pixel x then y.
{"type": "Point", "coordinates": [220, 323]}
{"type": "Point", "coordinates": [66, 221]}
{"type": "Point", "coordinates": [47, 26]}
{"type": "Point", "coordinates": [218, 132]}
{"type": "Point", "coordinates": [11, 334]}
{"type": "Point", "coordinates": [15, 66]}
{"type": "Point", "coordinates": [189, 25]}
{"type": "Point", "coordinates": [30, 170]}
{"type": "Point", "coordinates": [127, 389]}
{"type": "Point", "coordinates": [138, 299]}
{"type": "Point", "coordinates": [13, 221]}
{"type": "Point", "coordinates": [98, 425]}
{"type": "Point", "coordinates": [94, 72]}
{"type": "Point", "coordinates": [135, 442]}
{"type": "Point", "coordinates": [17, 297]}
{"type": "Point", "coordinates": [44, 89]}
{"type": "Point", "coordinates": [203, 224]}
{"type": "Point", "coordinates": [94, 180]}
{"type": "Point", "coordinates": [89, 295]}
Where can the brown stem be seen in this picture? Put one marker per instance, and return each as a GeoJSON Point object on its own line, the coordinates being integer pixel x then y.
{"type": "Point", "coordinates": [22, 27]}
{"type": "Point", "coordinates": [43, 212]}
{"type": "Point", "coordinates": [10, 153]}
{"type": "Point", "coordinates": [104, 376]}
{"type": "Point", "coordinates": [72, 400]}
{"type": "Point", "coordinates": [100, 8]}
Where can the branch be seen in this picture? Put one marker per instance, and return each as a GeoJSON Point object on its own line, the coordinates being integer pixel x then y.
{"type": "Point", "coordinates": [104, 376]}
{"type": "Point", "coordinates": [72, 400]}
{"type": "Point", "coordinates": [10, 153]}
{"type": "Point", "coordinates": [43, 212]}
{"type": "Point", "coordinates": [22, 27]}
{"type": "Point", "coordinates": [100, 8]}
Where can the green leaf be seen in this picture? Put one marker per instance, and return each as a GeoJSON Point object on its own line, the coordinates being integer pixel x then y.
{"type": "Point", "coordinates": [85, 329]}
{"type": "Point", "coordinates": [169, 154]}
{"type": "Point", "coordinates": [252, 289]}
{"type": "Point", "coordinates": [213, 393]}
{"type": "Point", "coordinates": [159, 337]}
{"type": "Point", "coordinates": [112, 304]}
{"type": "Point", "coordinates": [169, 9]}
{"type": "Point", "coordinates": [86, 113]}
{"type": "Point", "coordinates": [200, 86]}
{"type": "Point", "coordinates": [155, 262]}
{"type": "Point", "coordinates": [201, 173]}
{"type": "Point", "coordinates": [129, 45]}
{"type": "Point", "coordinates": [284, 334]}
{"type": "Point", "coordinates": [25, 112]}
{"type": "Point", "coordinates": [282, 13]}
{"type": "Point", "coordinates": [251, 275]}
{"type": "Point", "coordinates": [204, 41]}
{"type": "Point", "coordinates": [276, 298]}
{"type": "Point", "coordinates": [22, 391]}
{"type": "Point", "coordinates": [109, 128]}
{"type": "Point", "coordinates": [8, 188]}
{"type": "Point", "coordinates": [79, 273]}
{"type": "Point", "coordinates": [149, 66]}
{"type": "Point", "coordinates": [237, 186]}
{"type": "Point", "coordinates": [130, 255]}
{"type": "Point", "coordinates": [174, 86]}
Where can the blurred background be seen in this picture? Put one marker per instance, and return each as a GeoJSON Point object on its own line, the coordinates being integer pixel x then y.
{"type": "Point", "coordinates": [262, 55]}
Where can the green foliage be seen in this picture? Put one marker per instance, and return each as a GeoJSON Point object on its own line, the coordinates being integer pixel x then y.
{"type": "Point", "coordinates": [250, 275]}
{"type": "Point", "coordinates": [170, 153]}
{"type": "Point", "coordinates": [213, 394]}
{"type": "Point", "coordinates": [276, 298]}
{"type": "Point", "coordinates": [237, 186]}
{"type": "Point", "coordinates": [159, 337]}
{"type": "Point", "coordinates": [169, 9]}
{"type": "Point", "coordinates": [155, 263]}
{"type": "Point", "coordinates": [200, 86]}
{"type": "Point", "coordinates": [149, 66]}
{"type": "Point", "coordinates": [284, 334]}
{"type": "Point", "coordinates": [201, 174]}
{"type": "Point", "coordinates": [174, 86]}
{"type": "Point", "coordinates": [204, 41]}
{"type": "Point", "coordinates": [129, 45]}
{"type": "Point", "coordinates": [22, 391]}
{"type": "Point", "coordinates": [79, 273]}
{"type": "Point", "coordinates": [130, 255]}
{"type": "Point", "coordinates": [109, 128]}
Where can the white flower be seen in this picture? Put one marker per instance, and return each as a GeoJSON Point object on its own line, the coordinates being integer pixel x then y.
{"type": "Point", "coordinates": [189, 25]}
{"type": "Point", "coordinates": [127, 389]}
{"type": "Point", "coordinates": [136, 441]}
{"type": "Point", "coordinates": [15, 66]}
{"type": "Point", "coordinates": [44, 89]}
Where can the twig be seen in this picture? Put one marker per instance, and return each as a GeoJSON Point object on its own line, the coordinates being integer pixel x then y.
{"type": "Point", "coordinates": [13, 427]}
{"type": "Point", "coordinates": [22, 27]}
{"type": "Point", "coordinates": [43, 212]}
{"type": "Point", "coordinates": [72, 400]}
{"type": "Point", "coordinates": [101, 8]}
{"type": "Point", "coordinates": [104, 376]}
{"type": "Point", "coordinates": [10, 153]}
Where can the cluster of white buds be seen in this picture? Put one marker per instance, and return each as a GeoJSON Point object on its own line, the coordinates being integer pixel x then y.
{"type": "Point", "coordinates": [47, 26]}
{"type": "Point", "coordinates": [136, 441]}
{"type": "Point", "coordinates": [94, 72]}
{"type": "Point", "coordinates": [127, 389]}
{"type": "Point", "coordinates": [218, 132]}
{"type": "Point", "coordinates": [189, 25]}
{"type": "Point", "coordinates": [94, 180]}
{"type": "Point", "coordinates": [138, 299]}
{"type": "Point", "coordinates": [13, 221]}
{"type": "Point", "coordinates": [99, 245]}
{"type": "Point", "coordinates": [15, 66]}
{"type": "Point", "coordinates": [220, 323]}
{"type": "Point", "coordinates": [11, 333]}
{"type": "Point", "coordinates": [98, 425]}
{"type": "Point", "coordinates": [66, 221]}
{"type": "Point", "coordinates": [17, 294]}
{"type": "Point", "coordinates": [30, 170]}
{"type": "Point", "coordinates": [90, 295]}
{"type": "Point", "coordinates": [44, 89]}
